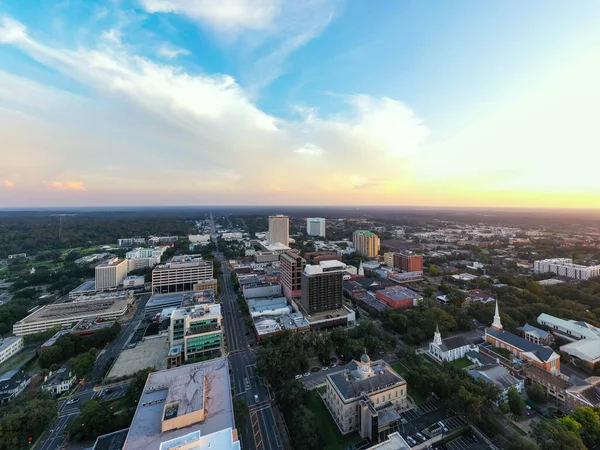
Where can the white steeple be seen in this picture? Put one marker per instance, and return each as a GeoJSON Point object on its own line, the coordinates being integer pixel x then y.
{"type": "Point", "coordinates": [437, 336]}
{"type": "Point", "coordinates": [361, 270]}
{"type": "Point", "coordinates": [496, 324]}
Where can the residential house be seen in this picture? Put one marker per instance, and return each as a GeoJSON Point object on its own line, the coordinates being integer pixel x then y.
{"type": "Point", "coordinates": [59, 381]}
{"type": "Point", "coordinates": [12, 383]}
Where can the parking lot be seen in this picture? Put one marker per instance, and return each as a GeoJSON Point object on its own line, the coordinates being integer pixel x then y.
{"type": "Point", "coordinates": [466, 442]}
{"type": "Point", "coordinates": [428, 406]}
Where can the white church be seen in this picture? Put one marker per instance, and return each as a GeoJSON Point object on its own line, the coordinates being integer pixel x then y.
{"type": "Point", "coordinates": [451, 348]}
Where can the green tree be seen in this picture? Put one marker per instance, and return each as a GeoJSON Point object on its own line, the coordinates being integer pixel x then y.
{"type": "Point", "coordinates": [27, 417]}
{"type": "Point", "coordinates": [305, 430]}
{"type": "Point", "coordinates": [569, 423]}
{"type": "Point", "coordinates": [52, 355]}
{"type": "Point", "coordinates": [520, 443]}
{"type": "Point", "coordinates": [551, 435]}
{"type": "Point", "coordinates": [433, 271]}
{"type": "Point", "coordinates": [589, 419]}
{"type": "Point", "coordinates": [83, 364]}
{"type": "Point", "coordinates": [136, 387]}
{"type": "Point", "coordinates": [240, 413]}
{"type": "Point", "coordinates": [516, 403]}
{"type": "Point", "coordinates": [536, 393]}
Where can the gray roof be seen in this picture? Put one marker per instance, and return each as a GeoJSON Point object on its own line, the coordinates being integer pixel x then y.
{"type": "Point", "coordinates": [350, 384]}
{"type": "Point", "coordinates": [111, 441]}
{"type": "Point", "coordinates": [530, 329]}
{"type": "Point", "coordinates": [543, 353]}
{"type": "Point", "coordinates": [496, 374]}
{"type": "Point", "coordinates": [58, 377]}
{"type": "Point", "coordinates": [454, 342]}
{"type": "Point", "coordinates": [202, 385]}
{"type": "Point", "coordinates": [12, 379]}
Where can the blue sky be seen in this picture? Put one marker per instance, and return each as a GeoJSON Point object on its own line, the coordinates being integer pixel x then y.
{"type": "Point", "coordinates": [300, 102]}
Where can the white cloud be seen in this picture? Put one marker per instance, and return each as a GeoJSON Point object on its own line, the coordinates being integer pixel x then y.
{"type": "Point", "coordinates": [112, 35]}
{"type": "Point", "coordinates": [310, 149]}
{"type": "Point", "coordinates": [169, 52]}
{"type": "Point", "coordinates": [230, 16]}
{"type": "Point", "coordinates": [201, 133]}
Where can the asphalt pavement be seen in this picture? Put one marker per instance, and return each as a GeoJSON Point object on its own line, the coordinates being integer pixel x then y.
{"type": "Point", "coordinates": [54, 438]}
{"type": "Point", "coordinates": [260, 432]}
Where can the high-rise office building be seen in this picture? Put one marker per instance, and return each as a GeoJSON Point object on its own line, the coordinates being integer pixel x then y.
{"type": "Point", "coordinates": [322, 287]}
{"type": "Point", "coordinates": [315, 226]}
{"type": "Point", "coordinates": [366, 243]}
{"type": "Point", "coordinates": [182, 273]}
{"type": "Point", "coordinates": [279, 229]}
{"type": "Point", "coordinates": [110, 274]}
{"type": "Point", "coordinates": [408, 261]}
{"type": "Point", "coordinates": [291, 267]}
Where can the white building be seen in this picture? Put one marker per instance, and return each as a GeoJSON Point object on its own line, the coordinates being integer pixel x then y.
{"type": "Point", "coordinates": [12, 383]}
{"type": "Point", "coordinates": [144, 257]}
{"type": "Point", "coordinates": [570, 329]}
{"type": "Point", "coordinates": [199, 238]}
{"type": "Point", "coordinates": [133, 281]}
{"type": "Point", "coordinates": [59, 381]}
{"type": "Point", "coordinates": [564, 267]}
{"type": "Point", "coordinates": [9, 347]}
{"type": "Point", "coordinates": [315, 226]}
{"type": "Point", "coordinates": [232, 236]}
{"type": "Point", "coordinates": [279, 229]}
{"type": "Point", "coordinates": [181, 274]}
{"type": "Point", "coordinates": [110, 274]}
{"type": "Point", "coordinates": [451, 348]}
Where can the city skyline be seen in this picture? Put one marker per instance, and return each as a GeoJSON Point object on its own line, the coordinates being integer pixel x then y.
{"type": "Point", "coordinates": [270, 102]}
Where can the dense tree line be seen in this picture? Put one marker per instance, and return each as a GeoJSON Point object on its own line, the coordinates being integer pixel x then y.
{"type": "Point", "coordinates": [69, 345]}
{"type": "Point", "coordinates": [35, 232]}
{"type": "Point", "coordinates": [25, 418]}
{"type": "Point", "coordinates": [580, 430]}
{"type": "Point", "coordinates": [418, 324]}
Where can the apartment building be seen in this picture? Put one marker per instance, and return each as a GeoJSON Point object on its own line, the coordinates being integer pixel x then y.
{"type": "Point", "coordinates": [322, 287]}
{"type": "Point", "coordinates": [181, 274]}
{"type": "Point", "coordinates": [366, 243]}
{"type": "Point", "coordinates": [315, 226]}
{"type": "Point", "coordinates": [564, 267]}
{"type": "Point", "coordinates": [279, 229]}
{"type": "Point", "coordinates": [110, 274]}
{"type": "Point", "coordinates": [144, 257]}
{"type": "Point", "coordinates": [291, 267]}
{"type": "Point", "coordinates": [356, 395]}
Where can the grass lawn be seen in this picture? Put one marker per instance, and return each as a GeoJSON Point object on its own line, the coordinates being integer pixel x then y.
{"type": "Point", "coordinates": [502, 352]}
{"type": "Point", "coordinates": [461, 363]}
{"type": "Point", "coordinates": [334, 440]}
{"type": "Point", "coordinates": [15, 361]}
{"type": "Point", "coordinates": [403, 371]}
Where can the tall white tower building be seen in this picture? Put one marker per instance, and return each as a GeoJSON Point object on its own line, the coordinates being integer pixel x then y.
{"type": "Point", "coordinates": [279, 229]}
{"type": "Point", "coordinates": [315, 226]}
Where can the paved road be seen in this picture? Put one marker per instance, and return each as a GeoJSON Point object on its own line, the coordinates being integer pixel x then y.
{"type": "Point", "coordinates": [261, 431]}
{"type": "Point", "coordinates": [54, 438]}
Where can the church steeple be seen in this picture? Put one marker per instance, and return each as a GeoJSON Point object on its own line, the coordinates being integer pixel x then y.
{"type": "Point", "coordinates": [496, 324]}
{"type": "Point", "coordinates": [437, 336]}
{"type": "Point", "coordinates": [361, 270]}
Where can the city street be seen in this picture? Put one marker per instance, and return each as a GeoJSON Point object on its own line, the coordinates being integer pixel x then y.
{"type": "Point", "coordinates": [261, 431]}
{"type": "Point", "coordinates": [54, 438]}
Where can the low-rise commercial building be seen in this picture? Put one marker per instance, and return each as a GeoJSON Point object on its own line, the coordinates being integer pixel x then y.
{"type": "Point", "coordinates": [181, 404]}
{"type": "Point", "coordinates": [66, 315]}
{"type": "Point", "coordinates": [268, 306]}
{"type": "Point", "coordinates": [10, 346]}
{"type": "Point", "coordinates": [405, 277]}
{"type": "Point", "coordinates": [269, 325]}
{"type": "Point", "coordinates": [357, 395]}
{"type": "Point", "coordinates": [584, 353]}
{"type": "Point", "coordinates": [261, 290]}
{"type": "Point", "coordinates": [133, 281]}
{"type": "Point", "coordinates": [570, 330]}
{"type": "Point", "coordinates": [398, 297]}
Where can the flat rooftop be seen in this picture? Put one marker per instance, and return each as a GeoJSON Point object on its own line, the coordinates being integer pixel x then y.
{"type": "Point", "coordinates": [87, 307]}
{"type": "Point", "coordinates": [91, 325]}
{"type": "Point", "coordinates": [286, 322]}
{"type": "Point", "coordinates": [111, 262]}
{"type": "Point", "coordinates": [86, 286]}
{"type": "Point", "coordinates": [150, 352]}
{"type": "Point", "coordinates": [160, 301]}
{"type": "Point", "coordinates": [6, 342]}
{"type": "Point", "coordinates": [204, 385]}
{"type": "Point", "coordinates": [399, 293]}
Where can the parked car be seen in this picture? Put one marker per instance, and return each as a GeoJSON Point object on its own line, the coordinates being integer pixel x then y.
{"type": "Point", "coordinates": [306, 374]}
{"type": "Point", "coordinates": [297, 377]}
{"type": "Point", "coordinates": [255, 398]}
{"type": "Point", "coordinates": [423, 438]}
{"type": "Point", "coordinates": [332, 365]}
{"type": "Point", "coordinates": [324, 368]}
{"type": "Point", "coordinates": [73, 400]}
{"type": "Point", "coordinates": [410, 440]}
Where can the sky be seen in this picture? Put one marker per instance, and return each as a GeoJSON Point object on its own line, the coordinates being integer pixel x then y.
{"type": "Point", "coordinates": [300, 102]}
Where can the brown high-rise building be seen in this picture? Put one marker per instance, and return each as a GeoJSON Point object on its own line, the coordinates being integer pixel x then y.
{"type": "Point", "coordinates": [322, 287]}
{"type": "Point", "coordinates": [408, 262]}
{"type": "Point", "coordinates": [291, 267]}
